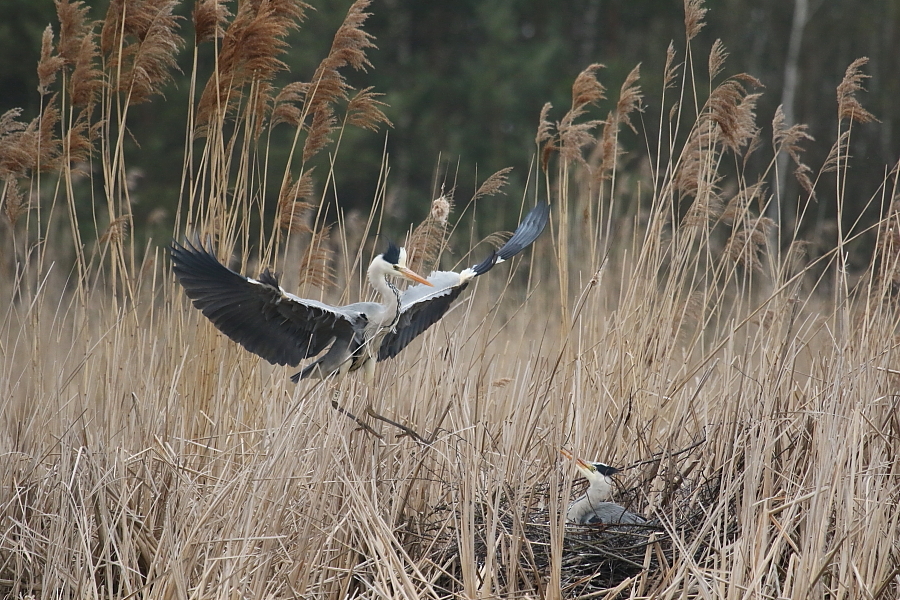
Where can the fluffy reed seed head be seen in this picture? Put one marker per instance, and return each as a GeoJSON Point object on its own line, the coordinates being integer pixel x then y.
{"type": "Point", "coordinates": [49, 64]}
{"type": "Point", "coordinates": [427, 240]}
{"type": "Point", "coordinates": [293, 204]}
{"type": "Point", "coordinates": [694, 13]}
{"type": "Point", "coordinates": [848, 106]}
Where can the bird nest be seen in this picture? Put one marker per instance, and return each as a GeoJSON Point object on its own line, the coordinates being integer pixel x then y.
{"type": "Point", "coordinates": [590, 558]}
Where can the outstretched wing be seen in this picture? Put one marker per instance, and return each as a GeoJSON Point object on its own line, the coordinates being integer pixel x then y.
{"type": "Point", "coordinates": [422, 306]}
{"type": "Point", "coordinates": [260, 315]}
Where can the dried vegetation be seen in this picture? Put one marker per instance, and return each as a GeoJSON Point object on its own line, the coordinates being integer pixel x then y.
{"type": "Point", "coordinates": [746, 378]}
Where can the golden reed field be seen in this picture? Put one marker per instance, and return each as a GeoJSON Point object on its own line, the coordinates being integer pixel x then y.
{"type": "Point", "coordinates": [741, 373]}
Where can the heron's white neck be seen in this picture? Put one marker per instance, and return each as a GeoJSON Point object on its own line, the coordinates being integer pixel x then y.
{"type": "Point", "coordinates": [599, 491]}
{"type": "Point", "coordinates": [390, 295]}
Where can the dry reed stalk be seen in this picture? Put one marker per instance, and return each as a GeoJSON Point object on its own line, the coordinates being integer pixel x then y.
{"type": "Point", "coordinates": [315, 267]}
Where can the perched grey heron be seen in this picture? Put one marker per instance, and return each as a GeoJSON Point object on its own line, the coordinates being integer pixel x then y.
{"type": "Point", "coordinates": [285, 329]}
{"type": "Point", "coordinates": [594, 506]}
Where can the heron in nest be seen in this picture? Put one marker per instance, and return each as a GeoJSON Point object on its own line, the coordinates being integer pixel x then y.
{"type": "Point", "coordinates": [595, 505]}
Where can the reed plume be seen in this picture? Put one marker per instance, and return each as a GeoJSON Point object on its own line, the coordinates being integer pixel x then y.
{"type": "Point", "coordinates": [14, 203]}
{"type": "Point", "coordinates": [630, 98]}
{"type": "Point", "coordinates": [717, 56]}
{"type": "Point", "coordinates": [493, 184]}
{"type": "Point", "coordinates": [545, 138]}
{"type": "Point", "coordinates": [427, 240]}
{"type": "Point", "coordinates": [49, 64]}
{"type": "Point", "coordinates": [788, 139]}
{"type": "Point", "coordinates": [249, 53]}
{"type": "Point", "coordinates": [73, 27]}
{"type": "Point", "coordinates": [294, 203]}
{"type": "Point", "coordinates": [328, 85]}
{"type": "Point", "coordinates": [573, 135]}
{"type": "Point", "coordinates": [140, 43]}
{"type": "Point", "coordinates": [848, 106]}
{"type": "Point", "coordinates": [86, 79]}
{"type": "Point", "coordinates": [209, 18]}
{"type": "Point", "coordinates": [694, 13]}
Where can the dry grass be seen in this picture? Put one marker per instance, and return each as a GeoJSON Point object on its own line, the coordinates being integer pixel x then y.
{"type": "Point", "coordinates": [752, 390]}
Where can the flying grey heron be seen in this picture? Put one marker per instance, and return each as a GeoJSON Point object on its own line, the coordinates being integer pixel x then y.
{"type": "Point", "coordinates": [594, 506]}
{"type": "Point", "coordinates": [285, 329]}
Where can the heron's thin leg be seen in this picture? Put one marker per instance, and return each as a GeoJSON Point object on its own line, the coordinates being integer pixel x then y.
{"type": "Point", "coordinates": [406, 430]}
{"type": "Point", "coordinates": [362, 424]}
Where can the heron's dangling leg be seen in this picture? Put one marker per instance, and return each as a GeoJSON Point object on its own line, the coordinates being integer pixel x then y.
{"type": "Point", "coordinates": [362, 424]}
{"type": "Point", "coordinates": [369, 367]}
{"type": "Point", "coordinates": [406, 430]}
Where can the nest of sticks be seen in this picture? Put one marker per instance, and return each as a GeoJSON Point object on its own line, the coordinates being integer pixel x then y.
{"type": "Point", "coordinates": [593, 559]}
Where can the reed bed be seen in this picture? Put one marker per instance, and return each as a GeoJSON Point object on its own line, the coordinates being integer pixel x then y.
{"type": "Point", "coordinates": [665, 323]}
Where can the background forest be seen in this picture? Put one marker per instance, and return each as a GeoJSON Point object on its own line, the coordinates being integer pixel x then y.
{"type": "Point", "coordinates": [465, 82]}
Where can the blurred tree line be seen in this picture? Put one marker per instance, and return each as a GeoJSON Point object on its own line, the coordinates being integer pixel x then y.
{"type": "Point", "coordinates": [465, 81]}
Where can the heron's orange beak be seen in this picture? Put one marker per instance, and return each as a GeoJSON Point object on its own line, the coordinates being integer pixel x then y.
{"type": "Point", "coordinates": [580, 463]}
{"type": "Point", "coordinates": [410, 274]}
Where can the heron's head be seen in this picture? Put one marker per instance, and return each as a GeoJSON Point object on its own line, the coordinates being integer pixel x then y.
{"type": "Point", "coordinates": [597, 473]}
{"type": "Point", "coordinates": [393, 264]}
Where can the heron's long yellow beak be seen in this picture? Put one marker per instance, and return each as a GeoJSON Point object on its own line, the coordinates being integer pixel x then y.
{"type": "Point", "coordinates": [410, 274]}
{"type": "Point", "coordinates": [586, 466]}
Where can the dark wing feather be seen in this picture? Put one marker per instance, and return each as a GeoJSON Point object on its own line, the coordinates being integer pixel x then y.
{"type": "Point", "coordinates": [528, 230]}
{"type": "Point", "coordinates": [259, 315]}
{"type": "Point", "coordinates": [421, 308]}
{"type": "Point", "coordinates": [418, 316]}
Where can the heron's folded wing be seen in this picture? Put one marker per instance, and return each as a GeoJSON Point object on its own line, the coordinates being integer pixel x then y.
{"type": "Point", "coordinates": [259, 315]}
